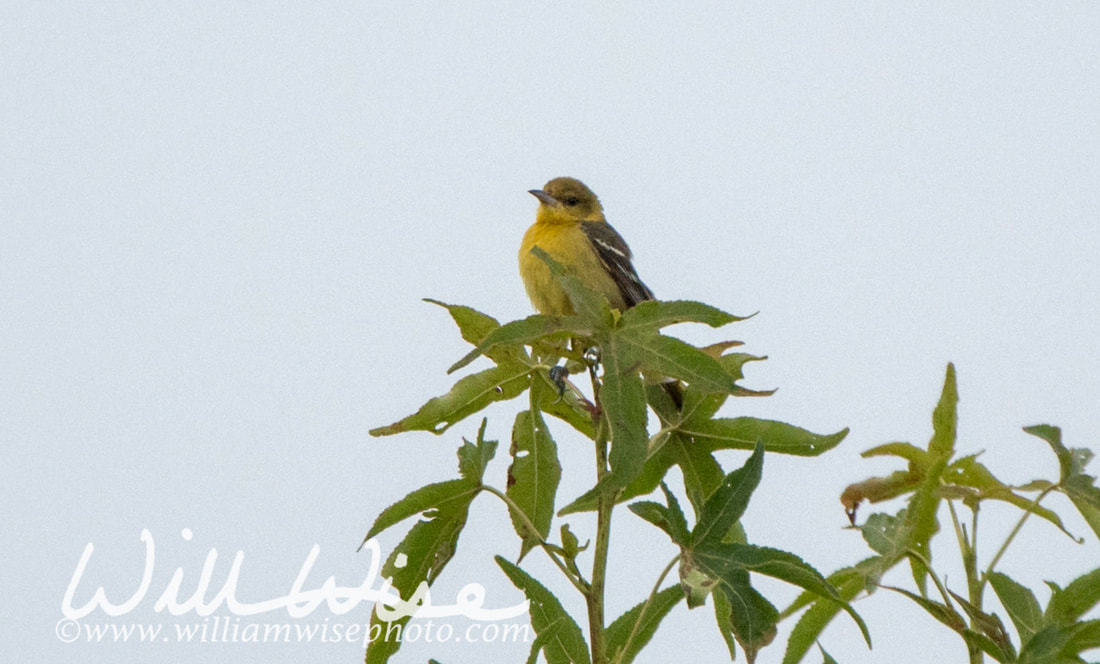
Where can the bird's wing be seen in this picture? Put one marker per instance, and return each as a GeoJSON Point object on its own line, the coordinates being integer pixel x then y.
{"type": "Point", "coordinates": [615, 256]}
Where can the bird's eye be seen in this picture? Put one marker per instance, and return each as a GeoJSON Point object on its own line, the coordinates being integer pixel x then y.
{"type": "Point", "coordinates": [572, 200]}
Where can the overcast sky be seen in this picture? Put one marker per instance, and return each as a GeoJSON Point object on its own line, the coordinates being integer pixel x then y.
{"type": "Point", "coordinates": [217, 221]}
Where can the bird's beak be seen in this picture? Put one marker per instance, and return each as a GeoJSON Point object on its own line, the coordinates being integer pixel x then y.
{"type": "Point", "coordinates": [544, 198]}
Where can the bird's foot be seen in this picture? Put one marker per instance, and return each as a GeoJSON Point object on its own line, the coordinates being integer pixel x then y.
{"type": "Point", "coordinates": [559, 375]}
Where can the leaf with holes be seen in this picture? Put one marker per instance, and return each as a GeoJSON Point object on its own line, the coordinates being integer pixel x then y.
{"type": "Point", "coordinates": [532, 478]}
{"type": "Point", "coordinates": [468, 396]}
{"type": "Point", "coordinates": [567, 644]}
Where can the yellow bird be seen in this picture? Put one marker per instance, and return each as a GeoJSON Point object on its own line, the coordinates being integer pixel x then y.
{"type": "Point", "coordinates": [570, 226]}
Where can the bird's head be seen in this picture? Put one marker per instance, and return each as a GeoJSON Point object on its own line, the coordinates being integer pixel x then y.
{"type": "Point", "coordinates": [564, 200]}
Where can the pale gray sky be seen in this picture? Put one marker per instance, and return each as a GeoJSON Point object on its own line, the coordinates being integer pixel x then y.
{"type": "Point", "coordinates": [217, 222]}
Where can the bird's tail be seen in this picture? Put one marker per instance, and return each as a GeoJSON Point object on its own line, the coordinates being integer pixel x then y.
{"type": "Point", "coordinates": [675, 392]}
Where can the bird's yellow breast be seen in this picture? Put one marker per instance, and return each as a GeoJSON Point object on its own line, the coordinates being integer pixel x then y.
{"type": "Point", "coordinates": [568, 244]}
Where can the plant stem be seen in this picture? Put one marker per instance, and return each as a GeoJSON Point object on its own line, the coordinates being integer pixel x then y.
{"type": "Point", "coordinates": [595, 597]}
{"type": "Point", "coordinates": [578, 583]}
{"type": "Point", "coordinates": [932, 574]}
{"type": "Point", "coordinates": [970, 565]}
{"type": "Point", "coordinates": [645, 607]}
{"type": "Point", "coordinates": [968, 547]}
{"type": "Point", "coordinates": [1015, 530]}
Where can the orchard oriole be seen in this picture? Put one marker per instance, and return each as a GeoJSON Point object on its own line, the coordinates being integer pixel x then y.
{"type": "Point", "coordinates": [570, 226]}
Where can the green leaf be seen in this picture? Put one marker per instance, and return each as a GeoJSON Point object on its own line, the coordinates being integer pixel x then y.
{"type": "Point", "coordinates": [991, 627]}
{"type": "Point", "coordinates": [734, 363]}
{"type": "Point", "coordinates": [1023, 609]}
{"type": "Point", "coordinates": [677, 522]}
{"type": "Point", "coordinates": [1053, 436]}
{"type": "Point", "coordinates": [542, 639]}
{"type": "Point", "coordinates": [469, 395]}
{"type": "Point", "coordinates": [723, 560]}
{"type": "Point", "coordinates": [420, 557]}
{"type": "Point", "coordinates": [952, 619]}
{"type": "Point", "coordinates": [907, 451]}
{"type": "Point", "coordinates": [641, 625]}
{"type": "Point", "coordinates": [701, 406]}
{"type": "Point", "coordinates": [730, 564]}
{"type": "Point", "coordinates": [474, 458]}
{"type": "Point", "coordinates": [587, 501]}
{"type": "Point", "coordinates": [887, 535]}
{"type": "Point", "coordinates": [967, 471]}
{"type": "Point", "coordinates": [827, 658]}
{"type": "Point", "coordinates": [742, 433]}
{"type": "Point", "coordinates": [414, 563]}
{"type": "Point", "coordinates": [1086, 498]}
{"type": "Point", "coordinates": [533, 477]}
{"type": "Point", "coordinates": [445, 497]}
{"type": "Point", "coordinates": [669, 356]}
{"type": "Point", "coordinates": [941, 612]}
{"type": "Point", "coordinates": [1035, 485]}
{"type": "Point", "coordinates": [722, 612]}
{"type": "Point", "coordinates": [1044, 647]}
{"type": "Point", "coordinates": [989, 646]}
{"type": "Point", "coordinates": [382, 648]}
{"type": "Point", "coordinates": [670, 519]}
{"type": "Point", "coordinates": [867, 571]}
{"type": "Point", "coordinates": [697, 406]}
{"type": "Point", "coordinates": [515, 333]}
{"type": "Point", "coordinates": [702, 473]}
{"type": "Point", "coordinates": [775, 563]}
{"type": "Point", "coordinates": [923, 507]}
{"type": "Point", "coordinates": [567, 644]}
{"type": "Point", "coordinates": [1083, 636]}
{"type": "Point", "coordinates": [545, 397]}
{"type": "Point", "coordinates": [472, 324]}
{"type": "Point", "coordinates": [622, 398]}
{"type": "Point", "coordinates": [752, 617]}
{"type": "Point", "coordinates": [428, 547]}
{"type": "Point", "coordinates": [921, 522]}
{"type": "Point", "coordinates": [1075, 600]}
{"type": "Point", "coordinates": [848, 583]}
{"type": "Point", "coordinates": [654, 513]}
{"type": "Point", "coordinates": [656, 314]}
{"type": "Point", "coordinates": [945, 418]}
{"type": "Point", "coordinates": [1075, 483]}
{"type": "Point", "coordinates": [729, 501]}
